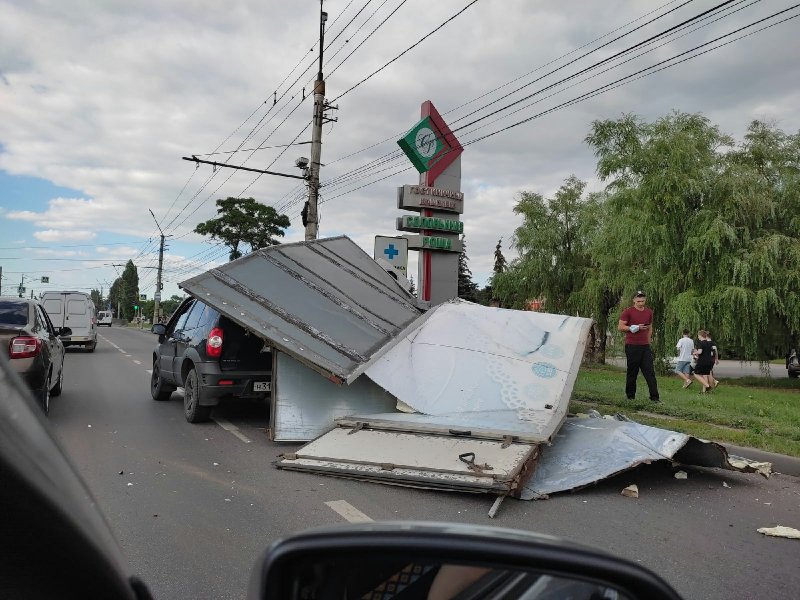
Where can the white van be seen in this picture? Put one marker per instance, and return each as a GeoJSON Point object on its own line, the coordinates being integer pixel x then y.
{"type": "Point", "coordinates": [76, 311]}
{"type": "Point", "coordinates": [104, 318]}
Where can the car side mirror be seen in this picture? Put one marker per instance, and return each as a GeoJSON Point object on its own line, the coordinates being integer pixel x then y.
{"type": "Point", "coordinates": [64, 331]}
{"type": "Point", "coordinates": [444, 561]}
{"type": "Point", "coordinates": [159, 329]}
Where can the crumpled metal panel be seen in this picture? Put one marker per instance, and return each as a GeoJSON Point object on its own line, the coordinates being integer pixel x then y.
{"type": "Point", "coordinates": [589, 449]}
{"type": "Point", "coordinates": [325, 302]}
{"type": "Point", "coordinates": [465, 358]}
{"type": "Point", "coordinates": [418, 460]}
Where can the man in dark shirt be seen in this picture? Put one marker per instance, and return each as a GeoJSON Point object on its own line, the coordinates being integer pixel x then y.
{"type": "Point", "coordinates": [637, 323]}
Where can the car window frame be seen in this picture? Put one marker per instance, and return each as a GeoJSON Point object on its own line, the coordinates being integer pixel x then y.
{"type": "Point", "coordinates": [50, 327]}
{"type": "Point", "coordinates": [197, 309]}
{"type": "Point", "coordinates": [183, 313]}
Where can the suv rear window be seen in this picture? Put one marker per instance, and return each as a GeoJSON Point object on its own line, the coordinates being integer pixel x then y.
{"type": "Point", "coordinates": [13, 313]}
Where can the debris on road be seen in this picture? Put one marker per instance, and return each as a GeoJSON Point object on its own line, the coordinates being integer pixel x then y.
{"type": "Point", "coordinates": [681, 475]}
{"type": "Point", "coordinates": [781, 531]}
{"type": "Point", "coordinates": [632, 491]}
{"type": "Point", "coordinates": [725, 484]}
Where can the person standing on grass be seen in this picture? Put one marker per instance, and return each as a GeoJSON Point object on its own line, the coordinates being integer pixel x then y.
{"type": "Point", "coordinates": [683, 367]}
{"type": "Point", "coordinates": [705, 360]}
{"type": "Point", "coordinates": [637, 323]}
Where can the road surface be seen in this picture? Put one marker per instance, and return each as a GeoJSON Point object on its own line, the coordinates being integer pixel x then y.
{"type": "Point", "coordinates": [193, 505]}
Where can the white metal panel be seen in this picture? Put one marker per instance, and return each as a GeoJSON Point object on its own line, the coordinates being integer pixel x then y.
{"type": "Point", "coordinates": [392, 454]}
{"type": "Point", "coordinates": [306, 404]}
{"type": "Point", "coordinates": [466, 358]}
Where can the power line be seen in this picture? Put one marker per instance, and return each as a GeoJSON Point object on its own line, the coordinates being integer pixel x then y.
{"type": "Point", "coordinates": [414, 45]}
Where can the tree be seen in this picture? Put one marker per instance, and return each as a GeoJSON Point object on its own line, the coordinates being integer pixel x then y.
{"type": "Point", "coordinates": [412, 289]}
{"type": "Point", "coordinates": [97, 299]}
{"type": "Point", "coordinates": [707, 228]}
{"type": "Point", "coordinates": [499, 259]}
{"type": "Point", "coordinates": [130, 291]}
{"type": "Point", "coordinates": [554, 254]}
{"type": "Point", "coordinates": [244, 221]}
{"type": "Point", "coordinates": [467, 289]}
{"type": "Point", "coordinates": [115, 297]}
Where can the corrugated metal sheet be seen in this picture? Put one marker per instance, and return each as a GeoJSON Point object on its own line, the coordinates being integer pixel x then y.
{"type": "Point", "coordinates": [587, 450]}
{"type": "Point", "coordinates": [476, 364]}
{"type": "Point", "coordinates": [419, 460]}
{"type": "Point", "coordinates": [325, 302]}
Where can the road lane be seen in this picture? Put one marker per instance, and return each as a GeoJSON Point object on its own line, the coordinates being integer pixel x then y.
{"type": "Point", "coordinates": [219, 501]}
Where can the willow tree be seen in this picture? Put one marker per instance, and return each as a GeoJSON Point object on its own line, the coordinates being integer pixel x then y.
{"type": "Point", "coordinates": [701, 225]}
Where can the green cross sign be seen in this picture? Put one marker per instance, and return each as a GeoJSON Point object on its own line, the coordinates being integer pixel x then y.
{"type": "Point", "coordinates": [422, 144]}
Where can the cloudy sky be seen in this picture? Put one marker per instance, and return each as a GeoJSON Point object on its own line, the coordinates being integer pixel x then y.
{"type": "Point", "coordinates": [100, 99]}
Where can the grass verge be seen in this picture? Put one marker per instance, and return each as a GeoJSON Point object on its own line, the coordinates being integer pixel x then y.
{"type": "Point", "coordinates": [748, 412]}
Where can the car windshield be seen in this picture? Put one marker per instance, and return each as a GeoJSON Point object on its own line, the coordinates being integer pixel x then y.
{"type": "Point", "coordinates": [13, 313]}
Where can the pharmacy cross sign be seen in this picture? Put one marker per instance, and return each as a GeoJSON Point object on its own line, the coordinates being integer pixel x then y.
{"type": "Point", "coordinates": [430, 145]}
{"type": "Point", "coordinates": [391, 252]}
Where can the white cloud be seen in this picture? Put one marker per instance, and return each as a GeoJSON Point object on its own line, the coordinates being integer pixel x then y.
{"type": "Point", "coordinates": [57, 235]}
{"type": "Point", "coordinates": [108, 97]}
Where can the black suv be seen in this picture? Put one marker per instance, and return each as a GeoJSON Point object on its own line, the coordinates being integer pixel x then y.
{"type": "Point", "coordinates": [211, 357]}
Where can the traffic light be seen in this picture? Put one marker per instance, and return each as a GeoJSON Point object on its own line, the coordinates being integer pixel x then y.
{"type": "Point", "coordinates": [135, 307]}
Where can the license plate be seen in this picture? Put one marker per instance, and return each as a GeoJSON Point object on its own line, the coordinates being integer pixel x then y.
{"type": "Point", "coordinates": [261, 386]}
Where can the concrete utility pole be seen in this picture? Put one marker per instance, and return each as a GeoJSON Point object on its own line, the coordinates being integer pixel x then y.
{"type": "Point", "coordinates": [1, 281]}
{"type": "Point", "coordinates": [312, 210]}
{"type": "Point", "coordinates": [157, 295]}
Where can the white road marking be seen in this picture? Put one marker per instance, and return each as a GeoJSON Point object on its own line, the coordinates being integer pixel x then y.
{"type": "Point", "coordinates": [149, 371]}
{"type": "Point", "coordinates": [138, 362]}
{"type": "Point", "coordinates": [228, 426]}
{"type": "Point", "coordinates": [348, 511]}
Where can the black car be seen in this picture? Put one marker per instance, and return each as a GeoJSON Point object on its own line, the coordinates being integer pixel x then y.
{"type": "Point", "coordinates": [33, 348]}
{"type": "Point", "coordinates": [211, 357]}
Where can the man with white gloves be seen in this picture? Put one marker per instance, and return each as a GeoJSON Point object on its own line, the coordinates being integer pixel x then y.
{"type": "Point", "coordinates": [637, 323]}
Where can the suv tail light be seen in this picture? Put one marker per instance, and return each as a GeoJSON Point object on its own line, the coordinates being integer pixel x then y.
{"type": "Point", "coordinates": [24, 347]}
{"type": "Point", "coordinates": [214, 343]}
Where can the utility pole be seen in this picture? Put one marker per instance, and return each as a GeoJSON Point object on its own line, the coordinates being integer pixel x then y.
{"type": "Point", "coordinates": [157, 295]}
{"type": "Point", "coordinates": [312, 210]}
{"type": "Point", "coordinates": [1, 281]}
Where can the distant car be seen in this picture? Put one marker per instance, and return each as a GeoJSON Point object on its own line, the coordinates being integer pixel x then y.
{"type": "Point", "coordinates": [76, 311]}
{"type": "Point", "coordinates": [33, 347]}
{"type": "Point", "coordinates": [211, 357]}
{"type": "Point", "coordinates": [793, 364]}
{"type": "Point", "coordinates": [104, 318]}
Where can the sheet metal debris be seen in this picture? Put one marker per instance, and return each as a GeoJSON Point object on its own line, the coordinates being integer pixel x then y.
{"type": "Point", "coordinates": [325, 302]}
{"type": "Point", "coordinates": [419, 460]}
{"type": "Point", "coordinates": [632, 491]}
{"type": "Point", "coordinates": [589, 449]}
{"type": "Point", "coordinates": [489, 368]}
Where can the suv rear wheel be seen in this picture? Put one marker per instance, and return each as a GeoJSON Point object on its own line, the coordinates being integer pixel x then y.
{"type": "Point", "coordinates": [192, 391]}
{"type": "Point", "coordinates": [159, 390]}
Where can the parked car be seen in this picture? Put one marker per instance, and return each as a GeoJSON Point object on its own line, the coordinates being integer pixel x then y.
{"type": "Point", "coordinates": [76, 311]}
{"type": "Point", "coordinates": [793, 364]}
{"type": "Point", "coordinates": [32, 345]}
{"type": "Point", "coordinates": [211, 357]}
{"type": "Point", "coordinates": [104, 318]}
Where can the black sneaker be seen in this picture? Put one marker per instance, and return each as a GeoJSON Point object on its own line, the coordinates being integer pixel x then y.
{"type": "Point", "coordinates": [655, 400]}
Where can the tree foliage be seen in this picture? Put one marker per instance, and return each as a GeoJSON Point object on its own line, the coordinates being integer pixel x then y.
{"type": "Point", "coordinates": [467, 289]}
{"type": "Point", "coordinates": [129, 293]}
{"type": "Point", "coordinates": [243, 221]}
{"type": "Point", "coordinates": [706, 227]}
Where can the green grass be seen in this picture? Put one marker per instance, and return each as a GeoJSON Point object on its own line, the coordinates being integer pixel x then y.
{"type": "Point", "coordinates": [752, 411]}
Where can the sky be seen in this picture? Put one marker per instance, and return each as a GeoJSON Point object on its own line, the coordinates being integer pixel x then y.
{"type": "Point", "coordinates": [100, 100]}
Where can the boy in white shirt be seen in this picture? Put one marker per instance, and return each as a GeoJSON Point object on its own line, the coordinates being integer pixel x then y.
{"type": "Point", "coordinates": [683, 368]}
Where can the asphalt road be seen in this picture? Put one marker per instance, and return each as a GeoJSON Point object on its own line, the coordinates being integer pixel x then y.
{"type": "Point", "coordinates": [193, 505]}
{"type": "Point", "coordinates": [732, 369]}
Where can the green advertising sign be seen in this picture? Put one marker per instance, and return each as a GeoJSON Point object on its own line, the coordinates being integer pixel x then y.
{"type": "Point", "coordinates": [421, 144]}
